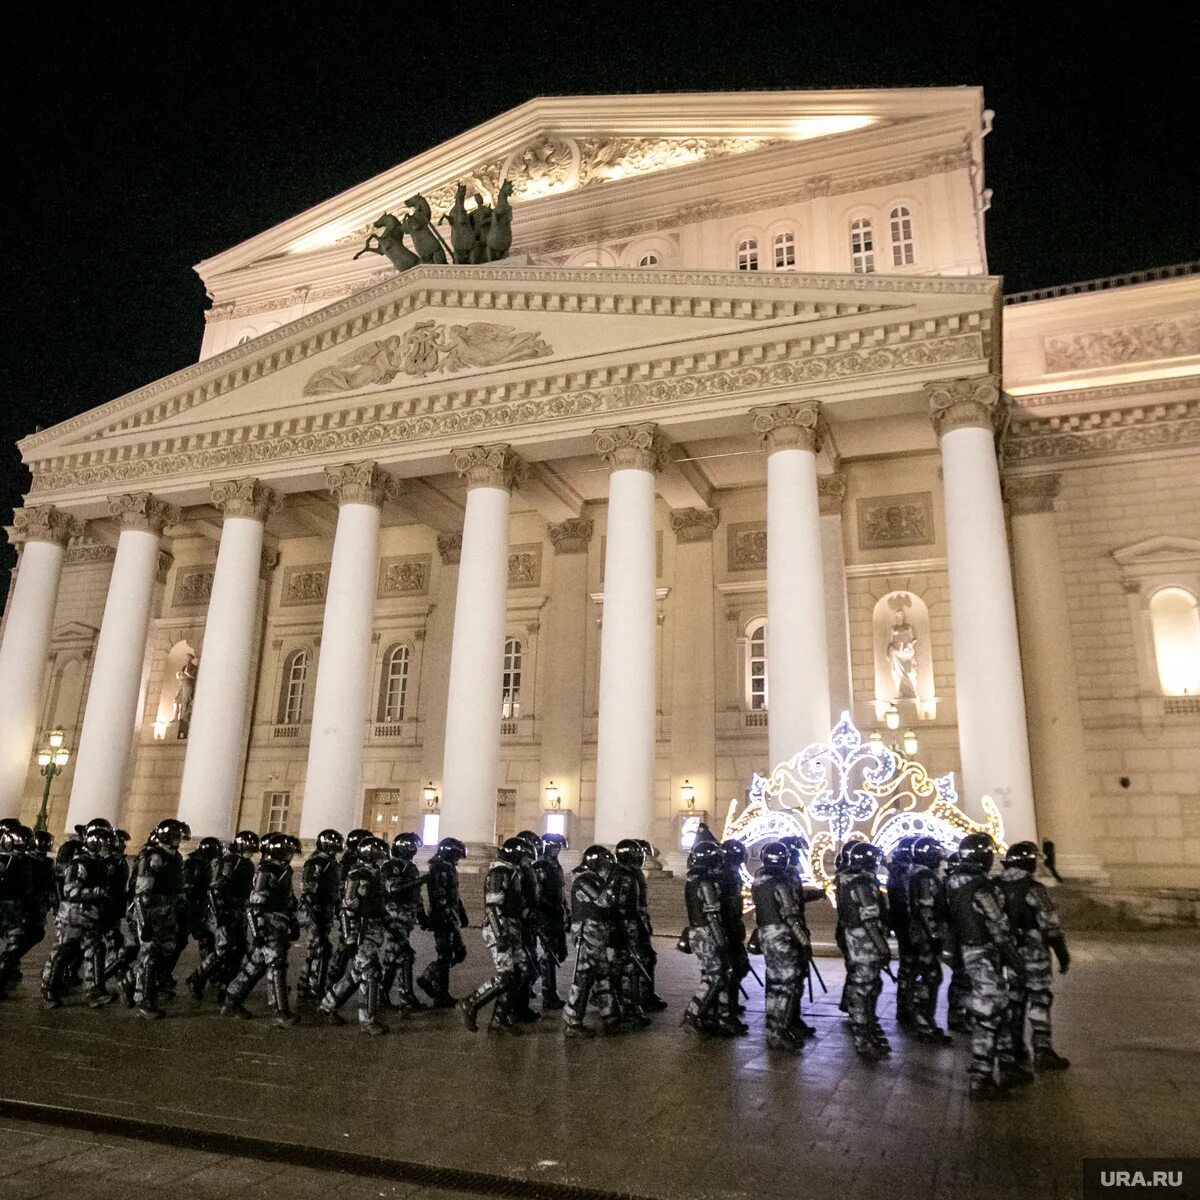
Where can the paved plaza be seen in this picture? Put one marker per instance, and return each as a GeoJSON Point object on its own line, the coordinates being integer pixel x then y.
{"type": "Point", "coordinates": [656, 1114]}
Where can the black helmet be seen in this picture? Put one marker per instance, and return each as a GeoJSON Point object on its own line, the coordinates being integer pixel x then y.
{"type": "Point", "coordinates": [532, 843]}
{"type": "Point", "coordinates": [373, 849]}
{"type": "Point", "coordinates": [123, 836]}
{"type": "Point", "coordinates": [187, 831]}
{"type": "Point", "coordinates": [775, 856]}
{"type": "Point", "coordinates": [43, 839]}
{"type": "Point", "coordinates": [647, 848]}
{"type": "Point", "coordinates": [863, 856]}
{"type": "Point", "coordinates": [513, 850]}
{"type": "Point", "coordinates": [976, 853]}
{"type": "Point", "coordinates": [902, 851]}
{"type": "Point", "coordinates": [928, 852]}
{"type": "Point", "coordinates": [245, 842]}
{"type": "Point", "coordinates": [209, 848]}
{"type": "Point", "coordinates": [329, 841]}
{"type": "Point", "coordinates": [706, 856]}
{"type": "Point", "coordinates": [1023, 856]}
{"type": "Point", "coordinates": [277, 846]}
{"type": "Point", "coordinates": [9, 822]}
{"type": "Point", "coordinates": [797, 840]}
{"type": "Point", "coordinates": [356, 837]}
{"type": "Point", "coordinates": [406, 845]}
{"type": "Point", "coordinates": [168, 833]}
{"type": "Point", "coordinates": [734, 851]}
{"type": "Point", "coordinates": [12, 841]}
{"type": "Point", "coordinates": [599, 859]}
{"type": "Point", "coordinates": [556, 840]}
{"type": "Point", "coordinates": [841, 859]}
{"type": "Point", "coordinates": [98, 823]}
{"type": "Point", "coordinates": [630, 853]}
{"type": "Point", "coordinates": [452, 848]}
{"type": "Point", "coordinates": [99, 839]}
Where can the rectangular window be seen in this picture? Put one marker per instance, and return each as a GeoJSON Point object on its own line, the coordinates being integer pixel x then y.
{"type": "Point", "coordinates": [278, 806]}
{"type": "Point", "coordinates": [430, 824]}
{"type": "Point", "coordinates": [556, 822]}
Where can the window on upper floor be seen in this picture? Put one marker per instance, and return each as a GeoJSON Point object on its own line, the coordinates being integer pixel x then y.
{"type": "Point", "coordinates": [291, 690]}
{"type": "Point", "coordinates": [785, 251]}
{"type": "Point", "coordinates": [1175, 624]}
{"type": "Point", "coordinates": [510, 686]}
{"type": "Point", "coordinates": [862, 246]}
{"type": "Point", "coordinates": [756, 665]}
{"type": "Point", "coordinates": [648, 260]}
{"type": "Point", "coordinates": [747, 254]}
{"type": "Point", "coordinates": [276, 808]}
{"type": "Point", "coordinates": [903, 251]}
{"type": "Point", "coordinates": [393, 684]}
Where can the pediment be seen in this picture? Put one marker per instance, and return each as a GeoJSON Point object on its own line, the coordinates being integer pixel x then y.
{"type": "Point", "coordinates": [72, 633]}
{"type": "Point", "coordinates": [1165, 550]}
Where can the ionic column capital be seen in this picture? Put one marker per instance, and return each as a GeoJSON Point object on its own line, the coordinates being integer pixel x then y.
{"type": "Point", "coordinates": [1030, 494]}
{"type": "Point", "coordinates": [790, 426]}
{"type": "Point", "coordinates": [831, 492]}
{"type": "Point", "coordinates": [964, 404]}
{"type": "Point", "coordinates": [571, 536]}
{"type": "Point", "coordinates": [143, 511]}
{"type": "Point", "coordinates": [490, 466]}
{"type": "Point", "coordinates": [450, 548]}
{"type": "Point", "coordinates": [360, 483]}
{"type": "Point", "coordinates": [43, 523]}
{"type": "Point", "coordinates": [641, 447]}
{"type": "Point", "coordinates": [245, 498]}
{"type": "Point", "coordinates": [694, 524]}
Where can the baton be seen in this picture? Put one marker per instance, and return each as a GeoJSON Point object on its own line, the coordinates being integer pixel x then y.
{"type": "Point", "coordinates": [757, 977]}
{"type": "Point", "coordinates": [808, 976]}
{"type": "Point", "coordinates": [888, 971]}
{"type": "Point", "coordinates": [816, 970]}
{"type": "Point", "coordinates": [641, 966]}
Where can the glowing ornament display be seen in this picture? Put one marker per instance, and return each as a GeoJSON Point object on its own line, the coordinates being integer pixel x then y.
{"type": "Point", "coordinates": [854, 789]}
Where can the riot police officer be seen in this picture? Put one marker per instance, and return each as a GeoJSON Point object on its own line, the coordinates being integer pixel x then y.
{"type": "Point", "coordinates": [593, 921]}
{"type": "Point", "coordinates": [14, 888]}
{"type": "Point", "coordinates": [735, 927]}
{"type": "Point", "coordinates": [629, 971]}
{"type": "Point", "coordinates": [984, 938]}
{"type": "Point", "coordinates": [706, 937]}
{"type": "Point", "coordinates": [320, 891]}
{"type": "Point", "coordinates": [42, 896]}
{"type": "Point", "coordinates": [899, 864]}
{"type": "Point", "coordinates": [1037, 931]}
{"type": "Point", "coordinates": [651, 1000]}
{"type": "Point", "coordinates": [504, 902]}
{"type": "Point", "coordinates": [228, 893]}
{"type": "Point", "coordinates": [197, 878]}
{"type": "Point", "coordinates": [785, 943]}
{"type": "Point", "coordinates": [403, 909]}
{"type": "Point", "coordinates": [552, 917]}
{"type": "Point", "coordinates": [158, 885]}
{"type": "Point", "coordinates": [959, 990]}
{"type": "Point", "coordinates": [861, 912]}
{"type": "Point", "coordinates": [800, 855]}
{"type": "Point", "coordinates": [924, 914]}
{"type": "Point", "coordinates": [522, 1007]}
{"type": "Point", "coordinates": [447, 920]}
{"type": "Point", "coordinates": [345, 950]}
{"type": "Point", "coordinates": [362, 919]}
{"type": "Point", "coordinates": [271, 913]}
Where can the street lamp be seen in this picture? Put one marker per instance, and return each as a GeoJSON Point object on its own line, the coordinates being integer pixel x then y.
{"type": "Point", "coordinates": [553, 795]}
{"type": "Point", "coordinates": [688, 794]}
{"type": "Point", "coordinates": [52, 758]}
{"type": "Point", "coordinates": [907, 744]}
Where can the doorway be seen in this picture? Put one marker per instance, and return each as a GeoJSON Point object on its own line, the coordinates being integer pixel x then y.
{"type": "Point", "coordinates": [382, 812]}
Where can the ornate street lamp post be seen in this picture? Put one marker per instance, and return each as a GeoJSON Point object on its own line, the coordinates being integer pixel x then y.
{"type": "Point", "coordinates": [908, 743]}
{"type": "Point", "coordinates": [52, 758]}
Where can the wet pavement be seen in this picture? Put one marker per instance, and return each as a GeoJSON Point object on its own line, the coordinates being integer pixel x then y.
{"type": "Point", "coordinates": [655, 1114]}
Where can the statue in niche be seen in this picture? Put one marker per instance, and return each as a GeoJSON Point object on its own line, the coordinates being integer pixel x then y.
{"type": "Point", "coordinates": [902, 650]}
{"type": "Point", "coordinates": [185, 696]}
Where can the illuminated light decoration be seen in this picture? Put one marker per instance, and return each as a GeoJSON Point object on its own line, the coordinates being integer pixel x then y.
{"type": "Point", "coordinates": [851, 789]}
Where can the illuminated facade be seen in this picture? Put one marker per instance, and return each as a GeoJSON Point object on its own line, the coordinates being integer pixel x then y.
{"type": "Point", "coordinates": [740, 436]}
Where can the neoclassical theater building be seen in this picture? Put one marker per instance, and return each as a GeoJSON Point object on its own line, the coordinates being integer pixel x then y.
{"type": "Point", "coordinates": [741, 435]}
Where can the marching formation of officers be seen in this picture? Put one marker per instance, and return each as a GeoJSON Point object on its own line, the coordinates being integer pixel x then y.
{"type": "Point", "coordinates": [128, 925]}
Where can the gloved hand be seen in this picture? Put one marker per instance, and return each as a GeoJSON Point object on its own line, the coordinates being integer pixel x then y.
{"type": "Point", "coordinates": [684, 945]}
{"type": "Point", "coordinates": [1063, 955]}
{"type": "Point", "coordinates": [754, 945]}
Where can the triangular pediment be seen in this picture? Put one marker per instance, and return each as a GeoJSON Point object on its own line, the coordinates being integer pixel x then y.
{"type": "Point", "coordinates": [1158, 551]}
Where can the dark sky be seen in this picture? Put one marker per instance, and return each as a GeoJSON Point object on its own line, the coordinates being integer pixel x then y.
{"type": "Point", "coordinates": [143, 139]}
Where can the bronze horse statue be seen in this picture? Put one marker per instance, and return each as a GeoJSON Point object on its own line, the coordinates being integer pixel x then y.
{"type": "Point", "coordinates": [390, 243]}
{"type": "Point", "coordinates": [418, 225]}
{"type": "Point", "coordinates": [499, 235]}
{"type": "Point", "coordinates": [462, 232]}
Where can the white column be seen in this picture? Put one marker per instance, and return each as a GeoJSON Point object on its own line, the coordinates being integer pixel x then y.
{"type": "Point", "coordinates": [628, 633]}
{"type": "Point", "coordinates": [797, 655]}
{"type": "Point", "coordinates": [1061, 780]}
{"type": "Point", "coordinates": [471, 762]}
{"type": "Point", "coordinates": [989, 697]}
{"type": "Point", "coordinates": [43, 532]}
{"type": "Point", "coordinates": [333, 790]}
{"type": "Point", "coordinates": [208, 796]}
{"type": "Point", "coordinates": [832, 491]}
{"type": "Point", "coordinates": [111, 712]}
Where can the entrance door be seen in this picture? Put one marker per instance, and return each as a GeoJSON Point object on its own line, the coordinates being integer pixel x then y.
{"type": "Point", "coordinates": [382, 812]}
{"type": "Point", "coordinates": [506, 813]}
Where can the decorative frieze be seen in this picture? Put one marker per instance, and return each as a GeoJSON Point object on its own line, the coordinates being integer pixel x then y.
{"type": "Point", "coordinates": [641, 447]}
{"type": "Point", "coordinates": [43, 523]}
{"type": "Point", "coordinates": [490, 466]}
{"type": "Point", "coordinates": [571, 536]}
{"type": "Point", "coordinates": [789, 426]}
{"type": "Point", "coordinates": [525, 565]}
{"type": "Point", "coordinates": [1030, 494]}
{"type": "Point", "coordinates": [1093, 434]}
{"type": "Point", "coordinates": [143, 511]}
{"type": "Point", "coordinates": [964, 404]}
{"type": "Point", "coordinates": [77, 556]}
{"type": "Point", "coordinates": [450, 548]}
{"type": "Point", "coordinates": [360, 483]}
{"type": "Point", "coordinates": [747, 544]}
{"type": "Point", "coordinates": [193, 587]}
{"type": "Point", "coordinates": [831, 493]}
{"type": "Point", "coordinates": [304, 584]}
{"type": "Point", "coordinates": [405, 575]}
{"type": "Point", "coordinates": [245, 498]}
{"type": "Point", "coordinates": [694, 524]}
{"type": "Point", "coordinates": [1120, 344]}
{"type": "Point", "coordinates": [887, 522]}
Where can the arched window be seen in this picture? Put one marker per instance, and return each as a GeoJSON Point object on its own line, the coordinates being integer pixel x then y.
{"type": "Point", "coordinates": [291, 691]}
{"type": "Point", "coordinates": [1175, 622]}
{"type": "Point", "coordinates": [785, 251]}
{"type": "Point", "coordinates": [862, 246]}
{"type": "Point", "coordinates": [648, 260]}
{"type": "Point", "coordinates": [756, 665]}
{"type": "Point", "coordinates": [903, 254]}
{"type": "Point", "coordinates": [393, 684]}
{"type": "Point", "coordinates": [510, 687]}
{"type": "Point", "coordinates": [747, 254]}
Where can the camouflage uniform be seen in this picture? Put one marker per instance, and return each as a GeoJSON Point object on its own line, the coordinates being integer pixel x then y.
{"type": "Point", "coordinates": [593, 917]}
{"type": "Point", "coordinates": [787, 951]}
{"type": "Point", "coordinates": [959, 991]}
{"type": "Point", "coordinates": [228, 894]}
{"type": "Point", "coordinates": [154, 914]}
{"type": "Point", "coordinates": [193, 909]}
{"type": "Point", "coordinates": [861, 913]}
{"type": "Point", "coordinates": [14, 887]}
{"type": "Point", "coordinates": [734, 922]}
{"type": "Point", "coordinates": [552, 917]}
{"type": "Point", "coordinates": [320, 887]}
{"type": "Point", "coordinates": [362, 921]}
{"type": "Point", "coordinates": [403, 909]}
{"type": "Point", "coordinates": [271, 915]}
{"type": "Point", "coordinates": [925, 921]}
{"type": "Point", "coordinates": [78, 928]}
{"type": "Point", "coordinates": [447, 918]}
{"type": "Point", "coordinates": [504, 900]}
{"type": "Point", "coordinates": [627, 976]}
{"type": "Point", "coordinates": [706, 937]}
{"type": "Point", "coordinates": [899, 921]}
{"type": "Point", "coordinates": [40, 900]}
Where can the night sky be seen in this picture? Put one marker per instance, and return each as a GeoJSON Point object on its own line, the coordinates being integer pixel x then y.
{"type": "Point", "coordinates": [143, 138]}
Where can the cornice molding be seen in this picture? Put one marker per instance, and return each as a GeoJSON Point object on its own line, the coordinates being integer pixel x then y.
{"type": "Point", "coordinates": [1072, 397]}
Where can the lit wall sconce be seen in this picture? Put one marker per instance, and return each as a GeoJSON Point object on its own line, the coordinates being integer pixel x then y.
{"type": "Point", "coordinates": [687, 794]}
{"type": "Point", "coordinates": [875, 740]}
{"type": "Point", "coordinates": [160, 730]}
{"type": "Point", "coordinates": [430, 796]}
{"type": "Point", "coordinates": [910, 743]}
{"type": "Point", "coordinates": [553, 795]}
{"type": "Point", "coordinates": [891, 717]}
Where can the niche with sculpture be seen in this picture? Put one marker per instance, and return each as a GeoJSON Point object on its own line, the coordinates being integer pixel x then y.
{"type": "Point", "coordinates": [178, 692]}
{"type": "Point", "coordinates": [903, 657]}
